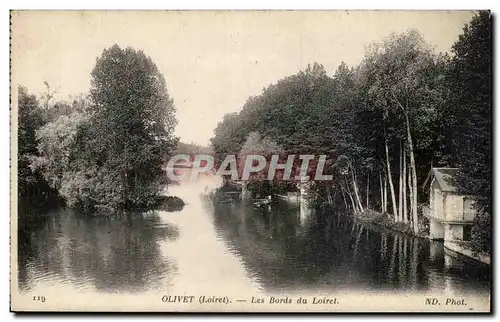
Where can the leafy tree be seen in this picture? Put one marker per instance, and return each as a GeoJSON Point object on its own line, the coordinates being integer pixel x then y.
{"type": "Point", "coordinates": [255, 144]}
{"type": "Point", "coordinates": [56, 143]}
{"type": "Point", "coordinates": [294, 112]}
{"type": "Point", "coordinates": [56, 153]}
{"type": "Point", "coordinates": [77, 103]}
{"type": "Point", "coordinates": [229, 136]}
{"type": "Point", "coordinates": [108, 154]}
{"type": "Point", "coordinates": [399, 81]}
{"type": "Point", "coordinates": [470, 100]}
{"type": "Point", "coordinates": [30, 119]}
{"type": "Point", "coordinates": [384, 122]}
{"type": "Point", "coordinates": [133, 120]}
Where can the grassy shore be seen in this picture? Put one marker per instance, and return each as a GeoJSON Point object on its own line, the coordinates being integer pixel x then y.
{"type": "Point", "coordinates": [383, 220]}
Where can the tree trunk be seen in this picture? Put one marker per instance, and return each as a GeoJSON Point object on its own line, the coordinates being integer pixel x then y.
{"type": "Point", "coordinates": [413, 199]}
{"type": "Point", "coordinates": [381, 194]}
{"type": "Point", "coordinates": [329, 196]}
{"type": "Point", "coordinates": [385, 195]}
{"type": "Point", "coordinates": [356, 194]}
{"type": "Point", "coordinates": [400, 212]}
{"type": "Point", "coordinates": [410, 188]}
{"type": "Point", "coordinates": [391, 186]}
{"type": "Point", "coordinates": [405, 207]}
{"type": "Point", "coordinates": [354, 208]}
{"type": "Point", "coordinates": [343, 197]}
{"type": "Point", "coordinates": [357, 241]}
{"type": "Point", "coordinates": [367, 191]}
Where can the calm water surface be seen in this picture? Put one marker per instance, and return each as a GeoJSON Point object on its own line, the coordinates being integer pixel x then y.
{"type": "Point", "coordinates": [286, 248]}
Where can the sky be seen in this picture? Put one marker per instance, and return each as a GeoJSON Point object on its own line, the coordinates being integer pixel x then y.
{"type": "Point", "coordinates": [212, 61]}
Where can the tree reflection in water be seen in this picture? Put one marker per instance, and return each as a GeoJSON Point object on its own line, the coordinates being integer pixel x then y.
{"type": "Point", "coordinates": [110, 254]}
{"type": "Point", "coordinates": [291, 248]}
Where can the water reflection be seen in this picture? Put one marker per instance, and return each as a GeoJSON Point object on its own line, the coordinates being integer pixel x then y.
{"type": "Point", "coordinates": [120, 254]}
{"type": "Point", "coordinates": [220, 243]}
{"type": "Point", "coordinates": [293, 248]}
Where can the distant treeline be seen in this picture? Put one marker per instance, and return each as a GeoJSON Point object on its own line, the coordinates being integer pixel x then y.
{"type": "Point", "coordinates": [193, 148]}
{"type": "Point", "coordinates": [384, 123]}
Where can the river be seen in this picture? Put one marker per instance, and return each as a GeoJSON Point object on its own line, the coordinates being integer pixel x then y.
{"type": "Point", "coordinates": [212, 245]}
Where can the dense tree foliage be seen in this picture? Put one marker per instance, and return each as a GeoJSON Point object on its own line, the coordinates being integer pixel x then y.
{"type": "Point", "coordinates": [192, 149]}
{"type": "Point", "coordinates": [256, 145]}
{"type": "Point", "coordinates": [106, 152]}
{"type": "Point", "coordinates": [132, 124]}
{"type": "Point", "coordinates": [384, 123]}
{"type": "Point", "coordinates": [31, 184]}
{"type": "Point", "coordinates": [469, 121]}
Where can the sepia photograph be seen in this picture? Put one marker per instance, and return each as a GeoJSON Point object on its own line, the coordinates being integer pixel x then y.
{"type": "Point", "coordinates": [251, 161]}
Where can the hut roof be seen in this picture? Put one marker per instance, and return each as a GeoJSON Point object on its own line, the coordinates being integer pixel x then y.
{"type": "Point", "coordinates": [444, 178]}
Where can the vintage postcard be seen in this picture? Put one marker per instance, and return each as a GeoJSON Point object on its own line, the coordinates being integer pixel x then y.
{"type": "Point", "coordinates": [251, 161]}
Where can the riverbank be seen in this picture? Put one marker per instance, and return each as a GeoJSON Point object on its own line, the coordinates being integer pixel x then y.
{"type": "Point", "coordinates": [383, 221]}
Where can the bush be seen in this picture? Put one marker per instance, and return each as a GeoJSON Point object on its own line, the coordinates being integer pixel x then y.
{"type": "Point", "coordinates": [481, 233]}
{"type": "Point", "coordinates": [169, 203]}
